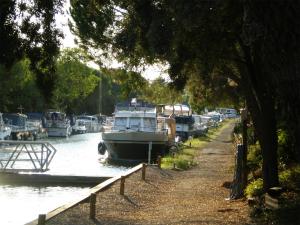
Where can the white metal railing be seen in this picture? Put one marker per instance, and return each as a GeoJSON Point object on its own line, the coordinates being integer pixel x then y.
{"type": "Point", "coordinates": [25, 155]}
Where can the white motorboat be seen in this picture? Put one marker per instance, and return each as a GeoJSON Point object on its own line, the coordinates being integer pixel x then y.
{"type": "Point", "coordinates": [57, 124]}
{"type": "Point", "coordinates": [91, 123]}
{"type": "Point", "coordinates": [135, 134]}
{"type": "Point", "coordinates": [5, 131]}
{"type": "Point", "coordinates": [79, 127]}
{"type": "Point", "coordinates": [184, 120]}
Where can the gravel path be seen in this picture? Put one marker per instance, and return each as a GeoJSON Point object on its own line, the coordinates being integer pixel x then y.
{"type": "Point", "coordinates": [195, 196]}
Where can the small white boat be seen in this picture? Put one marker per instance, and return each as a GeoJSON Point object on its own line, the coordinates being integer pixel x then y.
{"type": "Point", "coordinates": [5, 131]}
{"type": "Point", "coordinates": [91, 123]}
{"type": "Point", "coordinates": [57, 124]}
{"type": "Point", "coordinates": [79, 127]}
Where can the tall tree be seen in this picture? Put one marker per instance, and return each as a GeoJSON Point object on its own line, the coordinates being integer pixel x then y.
{"type": "Point", "coordinates": [75, 80]}
{"type": "Point", "coordinates": [28, 29]}
{"type": "Point", "coordinates": [130, 84]}
{"type": "Point", "coordinates": [18, 87]}
{"type": "Point", "coordinates": [234, 41]}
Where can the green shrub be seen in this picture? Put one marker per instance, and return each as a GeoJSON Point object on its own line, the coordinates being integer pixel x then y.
{"type": "Point", "coordinates": [254, 157]}
{"type": "Point", "coordinates": [255, 188]}
{"type": "Point", "coordinates": [237, 128]}
{"type": "Point", "coordinates": [290, 178]}
{"type": "Point", "coordinates": [183, 163]}
{"type": "Point", "coordinates": [285, 150]}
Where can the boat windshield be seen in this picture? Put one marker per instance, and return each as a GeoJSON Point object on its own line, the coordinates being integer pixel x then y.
{"type": "Point", "coordinates": [120, 123]}
{"type": "Point", "coordinates": [135, 122]}
{"type": "Point", "coordinates": [149, 124]}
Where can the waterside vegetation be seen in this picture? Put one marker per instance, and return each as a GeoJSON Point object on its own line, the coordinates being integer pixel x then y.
{"type": "Point", "coordinates": [183, 157]}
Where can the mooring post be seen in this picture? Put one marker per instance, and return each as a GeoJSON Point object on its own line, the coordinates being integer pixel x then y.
{"type": "Point", "coordinates": [92, 206]}
{"type": "Point", "coordinates": [144, 172]}
{"type": "Point", "coordinates": [149, 152]}
{"type": "Point", "coordinates": [122, 185]}
{"type": "Point", "coordinates": [159, 161]}
{"type": "Point", "coordinates": [42, 219]}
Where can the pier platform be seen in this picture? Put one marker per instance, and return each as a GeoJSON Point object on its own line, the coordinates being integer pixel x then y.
{"type": "Point", "coordinates": [14, 178]}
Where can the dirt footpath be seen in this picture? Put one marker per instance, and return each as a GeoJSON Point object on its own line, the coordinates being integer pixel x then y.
{"type": "Point", "coordinates": [196, 196]}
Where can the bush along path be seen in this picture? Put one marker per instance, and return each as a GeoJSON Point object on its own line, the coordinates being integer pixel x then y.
{"type": "Point", "coordinates": [194, 196]}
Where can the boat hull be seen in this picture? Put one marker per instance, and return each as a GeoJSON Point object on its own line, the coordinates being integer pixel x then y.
{"type": "Point", "coordinates": [5, 133]}
{"type": "Point", "coordinates": [135, 145]}
{"type": "Point", "coordinates": [59, 131]}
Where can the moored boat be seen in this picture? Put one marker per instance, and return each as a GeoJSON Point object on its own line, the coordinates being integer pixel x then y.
{"type": "Point", "coordinates": [5, 131]}
{"type": "Point", "coordinates": [184, 121]}
{"type": "Point", "coordinates": [17, 122]}
{"type": "Point", "coordinates": [57, 124]}
{"type": "Point", "coordinates": [91, 123]}
{"type": "Point", "coordinates": [135, 134]}
{"type": "Point", "coordinates": [79, 127]}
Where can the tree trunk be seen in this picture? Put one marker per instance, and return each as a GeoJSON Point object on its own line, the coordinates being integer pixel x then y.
{"type": "Point", "coordinates": [261, 106]}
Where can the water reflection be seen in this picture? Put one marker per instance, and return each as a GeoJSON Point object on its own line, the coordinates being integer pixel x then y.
{"type": "Point", "coordinates": [76, 155]}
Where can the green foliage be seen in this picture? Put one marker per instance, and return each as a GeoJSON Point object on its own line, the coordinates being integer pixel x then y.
{"type": "Point", "coordinates": [33, 35]}
{"type": "Point", "coordinates": [18, 87]}
{"type": "Point", "coordinates": [159, 91]}
{"type": "Point", "coordinates": [130, 84]}
{"type": "Point", "coordinates": [182, 160]}
{"type": "Point", "coordinates": [237, 128]}
{"type": "Point", "coordinates": [255, 188]}
{"type": "Point", "coordinates": [286, 153]}
{"type": "Point", "coordinates": [254, 157]}
{"type": "Point", "coordinates": [290, 178]}
{"type": "Point", "coordinates": [73, 72]}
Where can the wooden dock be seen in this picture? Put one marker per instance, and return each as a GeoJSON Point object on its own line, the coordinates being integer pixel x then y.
{"type": "Point", "coordinates": [49, 180]}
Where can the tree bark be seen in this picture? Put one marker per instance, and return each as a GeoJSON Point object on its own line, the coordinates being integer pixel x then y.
{"type": "Point", "coordinates": [261, 106]}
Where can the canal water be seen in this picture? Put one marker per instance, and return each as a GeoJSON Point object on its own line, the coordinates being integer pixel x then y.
{"type": "Point", "coordinates": [76, 155]}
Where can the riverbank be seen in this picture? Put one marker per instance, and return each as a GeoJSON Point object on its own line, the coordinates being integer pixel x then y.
{"type": "Point", "coordinates": [195, 196]}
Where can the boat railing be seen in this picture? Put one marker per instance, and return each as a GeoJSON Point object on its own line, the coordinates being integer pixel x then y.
{"type": "Point", "coordinates": [135, 108]}
{"type": "Point", "coordinates": [25, 156]}
{"type": "Point", "coordinates": [57, 123]}
{"type": "Point", "coordinates": [138, 128]}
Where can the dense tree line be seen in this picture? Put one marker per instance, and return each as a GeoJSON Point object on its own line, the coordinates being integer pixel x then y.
{"type": "Point", "coordinates": [247, 50]}
{"type": "Point", "coordinates": [78, 88]}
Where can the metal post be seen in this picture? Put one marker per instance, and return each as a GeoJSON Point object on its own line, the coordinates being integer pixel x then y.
{"type": "Point", "coordinates": [144, 171]}
{"type": "Point", "coordinates": [92, 205]}
{"type": "Point", "coordinates": [149, 152]}
{"type": "Point", "coordinates": [42, 219]}
{"type": "Point", "coordinates": [122, 185]}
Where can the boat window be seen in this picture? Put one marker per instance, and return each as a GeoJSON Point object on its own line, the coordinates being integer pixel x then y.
{"type": "Point", "coordinates": [120, 122]}
{"type": "Point", "coordinates": [135, 122]}
{"type": "Point", "coordinates": [149, 123]}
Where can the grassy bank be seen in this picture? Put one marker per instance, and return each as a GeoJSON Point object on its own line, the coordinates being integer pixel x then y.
{"type": "Point", "coordinates": [184, 156]}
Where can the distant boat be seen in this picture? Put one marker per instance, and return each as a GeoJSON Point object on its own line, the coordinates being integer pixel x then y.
{"type": "Point", "coordinates": [135, 134]}
{"type": "Point", "coordinates": [91, 123]}
{"type": "Point", "coordinates": [18, 125]}
{"type": "Point", "coordinates": [57, 124]}
{"type": "Point", "coordinates": [35, 123]}
{"type": "Point", "coordinates": [184, 120]}
{"type": "Point", "coordinates": [200, 125]}
{"type": "Point", "coordinates": [5, 131]}
{"type": "Point", "coordinates": [79, 127]}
